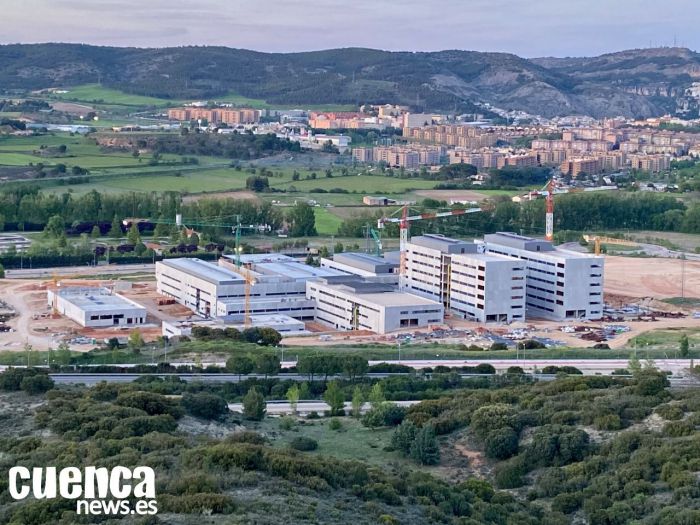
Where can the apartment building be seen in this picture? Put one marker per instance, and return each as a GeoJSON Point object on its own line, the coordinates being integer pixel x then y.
{"type": "Point", "coordinates": [654, 163]}
{"type": "Point", "coordinates": [487, 288]}
{"type": "Point", "coordinates": [216, 115]}
{"type": "Point", "coordinates": [350, 303]}
{"type": "Point", "coordinates": [577, 166]}
{"type": "Point", "coordinates": [560, 284]}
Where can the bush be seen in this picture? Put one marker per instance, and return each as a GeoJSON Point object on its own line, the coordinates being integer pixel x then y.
{"type": "Point", "coordinates": [386, 414]}
{"type": "Point", "coordinates": [501, 443]}
{"type": "Point", "coordinates": [509, 474]}
{"type": "Point", "coordinates": [403, 437]}
{"type": "Point", "coordinates": [670, 412]}
{"type": "Point", "coordinates": [567, 502]}
{"type": "Point", "coordinates": [491, 417]}
{"type": "Point", "coordinates": [254, 406]}
{"type": "Point", "coordinates": [425, 449]}
{"type": "Point", "coordinates": [303, 443]}
{"type": "Point", "coordinates": [151, 403]}
{"type": "Point", "coordinates": [37, 384]}
{"type": "Point", "coordinates": [205, 405]}
{"type": "Point", "coordinates": [608, 422]}
{"type": "Point", "coordinates": [335, 424]}
{"type": "Point", "coordinates": [499, 346]}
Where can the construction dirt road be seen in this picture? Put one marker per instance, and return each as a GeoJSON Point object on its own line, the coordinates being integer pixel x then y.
{"type": "Point", "coordinates": [651, 277]}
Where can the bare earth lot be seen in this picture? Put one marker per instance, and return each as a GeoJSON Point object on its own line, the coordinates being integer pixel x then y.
{"type": "Point", "coordinates": [650, 277]}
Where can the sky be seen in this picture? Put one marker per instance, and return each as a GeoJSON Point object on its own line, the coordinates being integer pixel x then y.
{"type": "Point", "coordinates": [528, 28]}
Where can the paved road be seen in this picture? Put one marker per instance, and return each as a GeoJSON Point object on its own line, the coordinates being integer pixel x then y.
{"type": "Point", "coordinates": [83, 271]}
{"type": "Point", "coordinates": [280, 408]}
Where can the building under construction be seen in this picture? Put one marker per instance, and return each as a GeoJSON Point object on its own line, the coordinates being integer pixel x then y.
{"type": "Point", "coordinates": [96, 307]}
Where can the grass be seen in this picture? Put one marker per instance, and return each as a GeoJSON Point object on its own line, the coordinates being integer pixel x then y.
{"type": "Point", "coordinates": [691, 302]}
{"type": "Point", "coordinates": [96, 92]}
{"type": "Point", "coordinates": [352, 441]}
{"type": "Point", "coordinates": [326, 222]}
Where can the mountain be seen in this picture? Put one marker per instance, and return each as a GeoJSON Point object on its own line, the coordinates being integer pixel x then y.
{"type": "Point", "coordinates": [637, 83]}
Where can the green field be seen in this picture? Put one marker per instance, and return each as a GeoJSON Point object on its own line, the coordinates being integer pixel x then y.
{"type": "Point", "coordinates": [96, 92]}
{"type": "Point", "coordinates": [326, 222]}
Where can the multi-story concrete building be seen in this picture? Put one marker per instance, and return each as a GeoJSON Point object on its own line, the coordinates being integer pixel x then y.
{"type": "Point", "coordinates": [371, 267]}
{"type": "Point", "coordinates": [560, 284]}
{"type": "Point", "coordinates": [349, 303]}
{"type": "Point", "coordinates": [577, 166]}
{"type": "Point", "coordinates": [487, 287]}
{"type": "Point", "coordinates": [427, 265]}
{"type": "Point", "coordinates": [96, 307]}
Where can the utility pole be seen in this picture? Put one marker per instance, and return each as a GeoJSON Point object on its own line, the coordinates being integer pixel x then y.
{"type": "Point", "coordinates": [682, 275]}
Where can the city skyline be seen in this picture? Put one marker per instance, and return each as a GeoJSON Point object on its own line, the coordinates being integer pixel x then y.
{"type": "Point", "coordinates": [547, 28]}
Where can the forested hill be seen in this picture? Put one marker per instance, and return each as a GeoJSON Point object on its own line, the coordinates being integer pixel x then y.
{"type": "Point", "coordinates": [633, 83]}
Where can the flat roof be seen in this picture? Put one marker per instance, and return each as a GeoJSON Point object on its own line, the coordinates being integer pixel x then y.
{"type": "Point", "coordinates": [444, 244]}
{"type": "Point", "coordinates": [97, 299]}
{"type": "Point", "coordinates": [204, 270]}
{"type": "Point", "coordinates": [295, 270]}
{"type": "Point", "coordinates": [397, 299]}
{"type": "Point", "coordinates": [487, 257]}
{"type": "Point", "coordinates": [377, 293]}
{"type": "Point", "coordinates": [365, 261]}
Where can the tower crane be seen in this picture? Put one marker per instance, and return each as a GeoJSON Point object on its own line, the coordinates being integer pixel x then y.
{"type": "Point", "coordinates": [404, 225]}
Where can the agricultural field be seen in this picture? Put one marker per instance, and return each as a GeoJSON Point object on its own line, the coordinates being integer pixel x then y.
{"type": "Point", "coordinates": [98, 94]}
{"type": "Point", "coordinates": [326, 222]}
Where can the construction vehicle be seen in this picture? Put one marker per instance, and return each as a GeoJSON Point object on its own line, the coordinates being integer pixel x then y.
{"type": "Point", "coordinates": [404, 225]}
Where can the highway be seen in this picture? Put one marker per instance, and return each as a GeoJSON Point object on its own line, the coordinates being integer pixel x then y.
{"type": "Point", "coordinates": [281, 408]}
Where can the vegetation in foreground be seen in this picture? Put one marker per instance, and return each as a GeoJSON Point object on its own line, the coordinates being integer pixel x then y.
{"type": "Point", "coordinates": [595, 450]}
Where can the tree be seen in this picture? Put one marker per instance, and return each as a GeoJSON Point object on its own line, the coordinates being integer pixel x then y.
{"type": "Point", "coordinates": [303, 220]}
{"type": "Point", "coordinates": [115, 231]}
{"type": "Point", "coordinates": [357, 401]}
{"type": "Point", "coordinates": [135, 340]}
{"type": "Point", "coordinates": [684, 346]}
{"type": "Point", "coordinates": [355, 366]}
{"type": "Point", "coordinates": [425, 449]}
{"type": "Point", "coordinates": [241, 365]}
{"type": "Point", "coordinates": [55, 227]}
{"type": "Point", "coordinates": [95, 233]}
{"type": "Point", "coordinates": [376, 396]}
{"type": "Point", "coordinates": [63, 354]}
{"type": "Point", "coordinates": [257, 184]}
{"type": "Point", "coordinates": [293, 397]}
{"type": "Point", "coordinates": [304, 391]}
{"type": "Point", "coordinates": [338, 248]}
{"type": "Point", "coordinates": [633, 365]}
{"type": "Point", "coordinates": [267, 364]}
{"type": "Point", "coordinates": [134, 236]}
{"type": "Point", "coordinates": [254, 406]}
{"type": "Point", "coordinates": [2, 271]}
{"type": "Point", "coordinates": [335, 398]}
{"type": "Point", "coordinates": [403, 437]}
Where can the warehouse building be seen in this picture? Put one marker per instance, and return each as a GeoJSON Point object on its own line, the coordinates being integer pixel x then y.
{"type": "Point", "coordinates": [372, 267]}
{"type": "Point", "coordinates": [350, 303]}
{"type": "Point", "coordinates": [96, 307]}
{"type": "Point", "coordinates": [561, 284]}
{"type": "Point", "coordinates": [487, 288]}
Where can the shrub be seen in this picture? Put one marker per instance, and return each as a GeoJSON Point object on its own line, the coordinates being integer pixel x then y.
{"type": "Point", "coordinates": [202, 503]}
{"type": "Point", "coordinates": [501, 443]}
{"type": "Point", "coordinates": [303, 443]}
{"type": "Point", "coordinates": [335, 424]}
{"type": "Point", "coordinates": [37, 384]}
{"type": "Point", "coordinates": [425, 449]}
{"type": "Point", "coordinates": [254, 406]}
{"type": "Point", "coordinates": [403, 437]}
{"type": "Point", "coordinates": [670, 412]}
{"type": "Point", "coordinates": [152, 404]}
{"type": "Point", "coordinates": [492, 417]}
{"type": "Point", "coordinates": [608, 422]}
{"type": "Point", "coordinates": [567, 502]}
{"type": "Point", "coordinates": [205, 405]}
{"type": "Point", "coordinates": [509, 474]}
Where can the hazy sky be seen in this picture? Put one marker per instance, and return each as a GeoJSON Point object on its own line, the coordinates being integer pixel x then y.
{"type": "Point", "coordinates": [525, 27]}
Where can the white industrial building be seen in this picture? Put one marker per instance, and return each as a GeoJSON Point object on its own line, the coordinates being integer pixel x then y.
{"type": "Point", "coordinates": [487, 288]}
{"type": "Point", "coordinates": [561, 284]}
{"type": "Point", "coordinates": [372, 267]}
{"type": "Point", "coordinates": [276, 285]}
{"type": "Point", "coordinates": [96, 307]}
{"type": "Point", "coordinates": [350, 303]}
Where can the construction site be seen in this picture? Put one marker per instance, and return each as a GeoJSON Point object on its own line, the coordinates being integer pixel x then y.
{"type": "Point", "coordinates": [502, 289]}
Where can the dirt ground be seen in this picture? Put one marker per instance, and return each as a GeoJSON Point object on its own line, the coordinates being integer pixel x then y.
{"type": "Point", "coordinates": [248, 195]}
{"type": "Point", "coordinates": [446, 195]}
{"type": "Point", "coordinates": [651, 277]}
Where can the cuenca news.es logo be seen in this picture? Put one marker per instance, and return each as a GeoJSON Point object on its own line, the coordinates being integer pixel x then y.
{"type": "Point", "coordinates": [98, 491]}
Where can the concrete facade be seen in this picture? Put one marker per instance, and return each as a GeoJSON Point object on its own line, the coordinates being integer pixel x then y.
{"type": "Point", "coordinates": [96, 307]}
{"type": "Point", "coordinates": [349, 303]}
{"type": "Point", "coordinates": [560, 284]}
{"type": "Point", "coordinates": [428, 259]}
{"type": "Point", "coordinates": [378, 269]}
{"type": "Point", "coordinates": [487, 288]}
